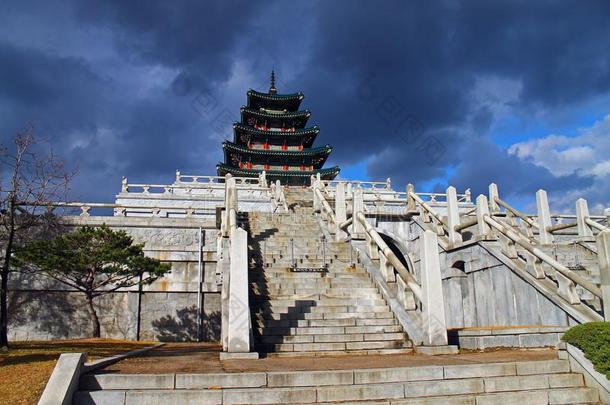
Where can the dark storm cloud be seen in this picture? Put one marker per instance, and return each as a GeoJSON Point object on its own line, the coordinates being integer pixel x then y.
{"type": "Point", "coordinates": [390, 83]}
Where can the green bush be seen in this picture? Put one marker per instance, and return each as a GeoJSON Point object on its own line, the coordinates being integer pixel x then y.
{"type": "Point", "coordinates": [594, 340]}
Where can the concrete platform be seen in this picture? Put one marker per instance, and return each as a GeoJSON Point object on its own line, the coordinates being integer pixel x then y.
{"type": "Point", "coordinates": [205, 358]}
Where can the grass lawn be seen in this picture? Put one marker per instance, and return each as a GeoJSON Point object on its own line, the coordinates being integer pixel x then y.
{"type": "Point", "coordinates": [26, 367]}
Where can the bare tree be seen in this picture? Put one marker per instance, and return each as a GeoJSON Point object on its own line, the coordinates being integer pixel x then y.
{"type": "Point", "coordinates": [32, 177]}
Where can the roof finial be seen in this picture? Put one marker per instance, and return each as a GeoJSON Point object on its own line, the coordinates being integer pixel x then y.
{"type": "Point", "coordinates": [272, 89]}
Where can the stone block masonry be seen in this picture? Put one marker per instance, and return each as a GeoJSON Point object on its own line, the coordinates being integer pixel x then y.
{"type": "Point", "coordinates": [42, 309]}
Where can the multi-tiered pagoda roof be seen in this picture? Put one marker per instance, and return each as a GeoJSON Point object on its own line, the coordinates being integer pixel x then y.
{"type": "Point", "coordinates": [273, 136]}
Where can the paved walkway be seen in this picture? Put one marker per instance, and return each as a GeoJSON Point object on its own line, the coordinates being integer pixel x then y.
{"type": "Point", "coordinates": [204, 358]}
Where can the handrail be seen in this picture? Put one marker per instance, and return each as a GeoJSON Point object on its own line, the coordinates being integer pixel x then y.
{"type": "Point", "coordinates": [428, 208]}
{"type": "Point", "coordinates": [466, 224]}
{"type": "Point", "coordinates": [561, 226]}
{"type": "Point", "coordinates": [343, 226]}
{"type": "Point", "coordinates": [595, 224]}
{"type": "Point", "coordinates": [86, 207]}
{"type": "Point", "coordinates": [516, 212]}
{"type": "Point", "coordinates": [326, 206]}
{"type": "Point", "coordinates": [402, 271]}
{"type": "Point", "coordinates": [524, 243]}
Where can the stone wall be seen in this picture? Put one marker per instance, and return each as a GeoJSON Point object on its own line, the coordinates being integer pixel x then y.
{"type": "Point", "coordinates": [479, 290]}
{"type": "Point", "coordinates": [45, 309]}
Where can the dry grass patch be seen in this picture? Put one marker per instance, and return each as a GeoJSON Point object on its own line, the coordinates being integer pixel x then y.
{"type": "Point", "coordinates": [25, 369]}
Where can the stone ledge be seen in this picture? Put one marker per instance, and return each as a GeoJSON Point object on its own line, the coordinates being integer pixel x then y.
{"type": "Point", "coordinates": [238, 356]}
{"type": "Point", "coordinates": [437, 350]}
{"type": "Point", "coordinates": [519, 337]}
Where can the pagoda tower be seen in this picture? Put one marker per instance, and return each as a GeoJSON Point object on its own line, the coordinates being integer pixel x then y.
{"type": "Point", "coordinates": [272, 137]}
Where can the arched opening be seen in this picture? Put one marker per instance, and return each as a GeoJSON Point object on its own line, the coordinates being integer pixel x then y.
{"type": "Point", "coordinates": [395, 248]}
{"type": "Point", "coordinates": [459, 265]}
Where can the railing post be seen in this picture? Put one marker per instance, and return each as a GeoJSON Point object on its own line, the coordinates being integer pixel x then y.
{"type": "Point", "coordinates": [124, 187]}
{"type": "Point", "coordinates": [340, 208]}
{"type": "Point", "coordinates": [317, 204]}
{"type": "Point", "coordinates": [603, 257]}
{"type": "Point", "coordinates": [349, 193]}
{"type": "Point", "coordinates": [582, 213]}
{"type": "Point", "coordinates": [433, 305]}
{"type": "Point", "coordinates": [467, 195]}
{"type": "Point", "coordinates": [493, 194]}
{"type": "Point", "coordinates": [263, 179]}
{"type": "Point", "coordinates": [357, 206]}
{"type": "Point", "coordinates": [239, 312]}
{"type": "Point", "coordinates": [453, 215]}
{"type": "Point", "coordinates": [340, 211]}
{"type": "Point", "coordinates": [410, 200]}
{"type": "Point", "coordinates": [607, 214]}
{"type": "Point", "coordinates": [544, 217]}
{"type": "Point", "coordinates": [482, 211]}
{"type": "Point", "coordinates": [386, 268]}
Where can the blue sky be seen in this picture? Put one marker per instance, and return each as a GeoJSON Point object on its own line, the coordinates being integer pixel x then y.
{"type": "Point", "coordinates": [433, 93]}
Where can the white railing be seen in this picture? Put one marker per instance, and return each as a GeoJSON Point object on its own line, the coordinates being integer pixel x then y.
{"type": "Point", "coordinates": [520, 236]}
{"type": "Point", "coordinates": [159, 211]}
{"type": "Point", "coordinates": [218, 180]}
{"type": "Point", "coordinates": [427, 296]}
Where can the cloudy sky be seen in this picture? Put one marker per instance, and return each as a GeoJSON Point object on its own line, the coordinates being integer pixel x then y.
{"type": "Point", "coordinates": [434, 93]}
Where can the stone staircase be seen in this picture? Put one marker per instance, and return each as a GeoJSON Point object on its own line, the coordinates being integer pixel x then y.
{"type": "Point", "coordinates": [535, 382]}
{"type": "Point", "coordinates": [332, 307]}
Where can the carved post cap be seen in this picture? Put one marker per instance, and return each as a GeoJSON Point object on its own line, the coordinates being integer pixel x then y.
{"type": "Point", "coordinates": [177, 175]}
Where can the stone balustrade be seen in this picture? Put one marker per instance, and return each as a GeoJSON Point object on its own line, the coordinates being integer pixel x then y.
{"type": "Point", "coordinates": [426, 295]}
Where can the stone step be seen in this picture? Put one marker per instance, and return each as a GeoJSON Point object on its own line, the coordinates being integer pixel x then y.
{"type": "Point", "coordinates": [352, 337]}
{"type": "Point", "coordinates": [335, 353]}
{"type": "Point", "coordinates": [377, 318]}
{"type": "Point", "coordinates": [317, 301]}
{"type": "Point", "coordinates": [334, 346]}
{"type": "Point", "coordinates": [388, 327]}
{"type": "Point", "coordinates": [313, 283]}
{"type": "Point", "coordinates": [325, 309]}
{"type": "Point", "coordinates": [325, 330]}
{"type": "Point", "coordinates": [285, 267]}
{"type": "Point", "coordinates": [329, 292]}
{"type": "Point", "coordinates": [452, 393]}
{"type": "Point", "coordinates": [279, 275]}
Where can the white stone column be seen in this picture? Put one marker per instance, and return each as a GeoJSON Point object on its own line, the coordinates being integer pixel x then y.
{"type": "Point", "coordinates": [453, 215]}
{"type": "Point", "coordinates": [263, 179]}
{"type": "Point", "coordinates": [582, 212]}
{"type": "Point", "coordinates": [340, 209]}
{"type": "Point", "coordinates": [482, 211]}
{"type": "Point", "coordinates": [357, 206]}
{"type": "Point", "coordinates": [433, 303]}
{"type": "Point", "coordinates": [603, 257]}
{"type": "Point", "coordinates": [239, 311]}
{"type": "Point", "coordinates": [411, 206]}
{"type": "Point", "coordinates": [544, 218]}
{"type": "Point", "coordinates": [493, 193]}
{"type": "Point", "coordinates": [349, 193]}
